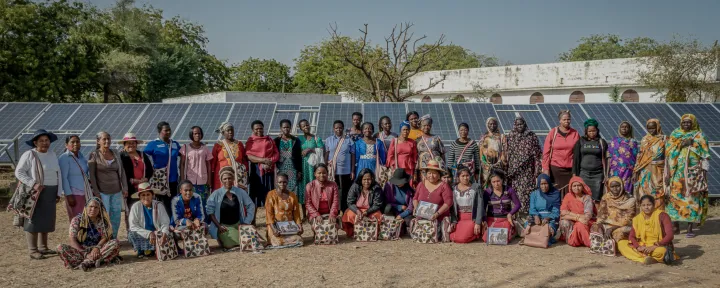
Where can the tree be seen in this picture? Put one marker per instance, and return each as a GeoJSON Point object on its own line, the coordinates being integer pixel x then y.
{"type": "Point", "coordinates": [683, 70]}
{"type": "Point", "coordinates": [450, 57]}
{"type": "Point", "coordinates": [615, 96]}
{"type": "Point", "coordinates": [260, 75]}
{"type": "Point", "coordinates": [387, 67]}
{"type": "Point", "coordinates": [456, 98]}
{"type": "Point", "coordinates": [319, 69]}
{"type": "Point", "coordinates": [599, 47]}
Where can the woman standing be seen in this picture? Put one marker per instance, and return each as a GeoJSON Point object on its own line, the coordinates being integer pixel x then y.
{"type": "Point", "coordinates": [340, 160]}
{"type": "Point", "coordinates": [650, 165]}
{"type": "Point", "coordinates": [364, 199]}
{"type": "Point", "coordinates": [464, 152]}
{"type": "Point", "coordinates": [589, 159]}
{"type": "Point", "coordinates": [545, 207]}
{"type": "Point", "coordinates": [492, 153]}
{"type": "Point", "coordinates": [108, 178]}
{"type": "Point", "coordinates": [576, 213]}
{"type": "Point", "coordinates": [161, 151]}
{"type": "Point", "coordinates": [227, 208]}
{"type": "Point", "coordinates": [622, 152]}
{"type": "Point", "coordinates": [38, 168]}
{"type": "Point", "coordinates": [137, 167]}
{"type": "Point", "coordinates": [308, 143]}
{"type": "Point", "coordinates": [385, 134]}
{"type": "Point", "coordinates": [524, 163]}
{"type": "Point", "coordinates": [74, 171]}
{"type": "Point", "coordinates": [262, 154]}
{"type": "Point", "coordinates": [687, 161]}
{"type": "Point", "coordinates": [502, 205]}
{"type": "Point", "coordinates": [196, 162]}
{"type": "Point", "coordinates": [402, 153]}
{"type": "Point", "coordinates": [229, 152]}
{"type": "Point", "coordinates": [290, 162]}
{"type": "Point", "coordinates": [91, 244]}
{"type": "Point", "coordinates": [413, 119]}
{"type": "Point", "coordinates": [429, 146]}
{"type": "Point", "coordinates": [558, 151]}
{"type": "Point", "coordinates": [468, 209]}
{"type": "Point", "coordinates": [368, 151]}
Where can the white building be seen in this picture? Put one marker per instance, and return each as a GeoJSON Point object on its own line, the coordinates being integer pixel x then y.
{"type": "Point", "coordinates": [580, 82]}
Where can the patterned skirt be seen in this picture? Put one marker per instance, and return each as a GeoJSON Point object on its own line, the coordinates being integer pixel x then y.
{"type": "Point", "coordinates": [72, 258]}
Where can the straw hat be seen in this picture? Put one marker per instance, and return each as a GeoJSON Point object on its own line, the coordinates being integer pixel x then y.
{"type": "Point", "coordinates": [144, 187]}
{"type": "Point", "coordinates": [433, 165]}
{"type": "Point", "coordinates": [129, 137]}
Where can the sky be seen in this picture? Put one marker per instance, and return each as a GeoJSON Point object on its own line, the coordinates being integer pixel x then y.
{"type": "Point", "coordinates": [523, 32]}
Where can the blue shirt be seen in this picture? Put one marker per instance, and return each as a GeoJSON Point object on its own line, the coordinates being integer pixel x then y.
{"type": "Point", "coordinates": [148, 218]}
{"type": "Point", "coordinates": [343, 162]}
{"type": "Point", "coordinates": [158, 150]}
{"type": "Point", "coordinates": [72, 175]}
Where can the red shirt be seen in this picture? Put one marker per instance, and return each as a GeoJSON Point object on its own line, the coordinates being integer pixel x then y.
{"type": "Point", "coordinates": [562, 149]}
{"type": "Point", "coordinates": [442, 195]}
{"type": "Point", "coordinates": [138, 168]}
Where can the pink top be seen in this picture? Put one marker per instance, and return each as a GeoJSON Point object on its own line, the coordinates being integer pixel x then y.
{"type": "Point", "coordinates": [362, 202]}
{"type": "Point", "coordinates": [562, 149]}
{"type": "Point", "coordinates": [196, 163]}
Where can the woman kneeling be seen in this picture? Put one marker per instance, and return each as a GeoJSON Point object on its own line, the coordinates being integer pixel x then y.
{"type": "Point", "coordinates": [468, 209]}
{"type": "Point", "coordinates": [91, 242]}
{"type": "Point", "coordinates": [282, 210]}
{"type": "Point", "coordinates": [650, 236]}
{"type": "Point", "coordinates": [321, 201]}
{"type": "Point", "coordinates": [229, 207]}
{"type": "Point", "coordinates": [615, 214]}
{"type": "Point", "coordinates": [545, 207]}
{"type": "Point", "coordinates": [147, 218]}
{"type": "Point", "coordinates": [364, 200]}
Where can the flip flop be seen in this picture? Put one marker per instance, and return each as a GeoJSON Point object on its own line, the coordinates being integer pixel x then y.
{"type": "Point", "coordinates": [48, 252]}
{"type": "Point", "coordinates": [690, 235]}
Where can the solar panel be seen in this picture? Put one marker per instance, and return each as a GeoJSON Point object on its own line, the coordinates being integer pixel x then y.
{"type": "Point", "coordinates": [146, 126]}
{"type": "Point", "coordinates": [610, 115]}
{"type": "Point", "coordinates": [116, 120]}
{"type": "Point", "coordinates": [443, 124]}
{"type": "Point", "coordinates": [707, 117]}
{"type": "Point", "coordinates": [54, 117]}
{"type": "Point", "coordinates": [83, 117]}
{"type": "Point", "coordinates": [474, 114]}
{"type": "Point", "coordinates": [541, 138]}
{"type": "Point", "coordinates": [279, 116]}
{"type": "Point", "coordinates": [57, 146]}
{"type": "Point", "coordinates": [534, 119]}
{"type": "Point", "coordinates": [661, 111]}
{"type": "Point", "coordinates": [16, 116]}
{"type": "Point", "coordinates": [208, 116]}
{"type": "Point", "coordinates": [329, 112]}
{"type": "Point", "coordinates": [506, 118]}
{"type": "Point", "coordinates": [714, 173]}
{"type": "Point", "coordinates": [373, 112]}
{"type": "Point", "coordinates": [550, 112]}
{"type": "Point", "coordinates": [243, 114]}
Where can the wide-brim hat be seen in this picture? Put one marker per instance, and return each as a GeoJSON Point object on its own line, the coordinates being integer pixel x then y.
{"type": "Point", "coordinates": [41, 132]}
{"type": "Point", "coordinates": [399, 177]}
{"type": "Point", "coordinates": [144, 187]}
{"type": "Point", "coordinates": [129, 137]}
{"type": "Point", "coordinates": [433, 165]}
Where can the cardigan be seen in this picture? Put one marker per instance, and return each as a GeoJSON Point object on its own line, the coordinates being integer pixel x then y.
{"type": "Point", "coordinates": [478, 207]}
{"type": "Point", "coordinates": [375, 199]}
{"type": "Point", "coordinates": [214, 202]}
{"type": "Point", "coordinates": [25, 170]}
{"type": "Point", "coordinates": [296, 152]}
{"type": "Point", "coordinates": [137, 219]}
{"type": "Point", "coordinates": [127, 164]}
{"type": "Point", "coordinates": [312, 198]}
{"type": "Point", "coordinates": [72, 175]}
{"type": "Point", "coordinates": [178, 210]}
{"type": "Point", "coordinates": [104, 182]}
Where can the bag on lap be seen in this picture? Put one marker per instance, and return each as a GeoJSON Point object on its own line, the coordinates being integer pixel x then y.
{"type": "Point", "coordinates": [390, 228]}
{"type": "Point", "coordinates": [325, 232]}
{"type": "Point", "coordinates": [366, 230]}
{"type": "Point", "coordinates": [599, 243]}
{"type": "Point", "coordinates": [250, 239]}
{"type": "Point", "coordinates": [537, 236]}
{"type": "Point", "coordinates": [195, 243]}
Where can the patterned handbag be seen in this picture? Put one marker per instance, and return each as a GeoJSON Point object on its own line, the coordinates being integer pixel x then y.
{"type": "Point", "coordinates": [167, 251]}
{"type": "Point", "coordinates": [367, 230]}
{"type": "Point", "coordinates": [195, 243]}
{"type": "Point", "coordinates": [383, 173]}
{"type": "Point", "coordinates": [599, 243]}
{"type": "Point", "coordinates": [390, 228]}
{"type": "Point", "coordinates": [23, 201]}
{"type": "Point", "coordinates": [424, 231]}
{"type": "Point", "coordinates": [250, 240]}
{"type": "Point", "coordinates": [325, 232]}
{"type": "Point", "coordinates": [159, 180]}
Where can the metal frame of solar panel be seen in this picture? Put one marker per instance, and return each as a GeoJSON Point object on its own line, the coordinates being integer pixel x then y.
{"type": "Point", "coordinates": [58, 146]}
{"type": "Point", "coordinates": [708, 117]}
{"type": "Point", "coordinates": [473, 114]}
{"type": "Point", "coordinates": [116, 120]}
{"type": "Point", "coordinates": [610, 115]}
{"type": "Point", "coordinates": [714, 173]}
{"type": "Point", "coordinates": [505, 115]}
{"type": "Point", "coordinates": [329, 112]}
{"type": "Point", "coordinates": [396, 112]}
{"type": "Point", "coordinates": [274, 128]}
{"type": "Point", "coordinates": [208, 116]}
{"type": "Point", "coordinates": [533, 117]}
{"type": "Point", "coordinates": [243, 114]}
{"type": "Point", "coordinates": [443, 119]}
{"type": "Point", "coordinates": [550, 112]}
{"type": "Point", "coordinates": [16, 117]}
{"type": "Point", "coordinates": [54, 117]}
{"type": "Point", "coordinates": [146, 126]}
{"type": "Point", "coordinates": [646, 111]}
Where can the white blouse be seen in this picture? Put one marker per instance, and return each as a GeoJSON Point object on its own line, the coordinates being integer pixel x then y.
{"type": "Point", "coordinates": [25, 170]}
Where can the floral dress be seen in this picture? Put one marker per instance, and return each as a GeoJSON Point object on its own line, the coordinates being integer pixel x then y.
{"type": "Point", "coordinates": [649, 170]}
{"type": "Point", "coordinates": [286, 163]}
{"type": "Point", "coordinates": [524, 164]}
{"type": "Point", "coordinates": [308, 173]}
{"type": "Point", "coordinates": [623, 154]}
{"type": "Point", "coordinates": [430, 148]}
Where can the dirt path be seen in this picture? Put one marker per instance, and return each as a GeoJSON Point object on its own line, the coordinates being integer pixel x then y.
{"type": "Point", "coordinates": [387, 264]}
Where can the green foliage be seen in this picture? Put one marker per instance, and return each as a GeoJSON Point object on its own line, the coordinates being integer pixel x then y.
{"type": "Point", "coordinates": [615, 96]}
{"type": "Point", "coordinates": [450, 57]}
{"type": "Point", "coordinates": [261, 75]}
{"type": "Point", "coordinates": [599, 47]}
{"type": "Point", "coordinates": [456, 98]}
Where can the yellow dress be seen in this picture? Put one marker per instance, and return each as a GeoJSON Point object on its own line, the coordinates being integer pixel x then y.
{"type": "Point", "coordinates": [415, 134]}
{"type": "Point", "coordinates": [648, 232]}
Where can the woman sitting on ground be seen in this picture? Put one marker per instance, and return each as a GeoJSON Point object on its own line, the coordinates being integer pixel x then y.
{"type": "Point", "coordinates": [545, 206]}
{"type": "Point", "coordinates": [616, 211]}
{"type": "Point", "coordinates": [228, 207]}
{"type": "Point", "coordinates": [576, 213]}
{"type": "Point", "coordinates": [187, 211]}
{"type": "Point", "coordinates": [147, 218]}
{"type": "Point", "coordinates": [502, 205]}
{"type": "Point", "coordinates": [648, 240]}
{"type": "Point", "coordinates": [282, 205]}
{"type": "Point", "coordinates": [468, 209]}
{"type": "Point", "coordinates": [432, 190]}
{"type": "Point", "coordinates": [322, 197]}
{"type": "Point", "coordinates": [398, 197]}
{"type": "Point", "coordinates": [91, 243]}
{"type": "Point", "coordinates": [364, 200]}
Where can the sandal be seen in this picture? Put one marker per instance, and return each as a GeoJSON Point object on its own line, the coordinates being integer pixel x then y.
{"type": "Point", "coordinates": [85, 266]}
{"type": "Point", "coordinates": [690, 235]}
{"type": "Point", "coordinates": [48, 252]}
{"type": "Point", "coordinates": [37, 255]}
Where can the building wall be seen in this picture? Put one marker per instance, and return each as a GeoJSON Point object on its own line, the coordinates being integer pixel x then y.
{"type": "Point", "coordinates": [592, 95]}
{"type": "Point", "coordinates": [218, 97]}
{"type": "Point", "coordinates": [231, 96]}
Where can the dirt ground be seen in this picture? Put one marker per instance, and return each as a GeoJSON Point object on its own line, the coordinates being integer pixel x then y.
{"type": "Point", "coordinates": [380, 264]}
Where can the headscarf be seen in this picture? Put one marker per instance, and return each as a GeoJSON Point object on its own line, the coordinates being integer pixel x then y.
{"type": "Point", "coordinates": [631, 136]}
{"type": "Point", "coordinates": [525, 131]}
{"type": "Point", "coordinates": [425, 117]}
{"type": "Point", "coordinates": [618, 209]}
{"type": "Point", "coordinates": [104, 225]}
{"type": "Point", "coordinates": [487, 122]}
{"type": "Point", "coordinates": [695, 126]}
{"type": "Point", "coordinates": [405, 124]}
{"type": "Point", "coordinates": [586, 188]}
{"type": "Point", "coordinates": [553, 195]}
{"type": "Point", "coordinates": [591, 122]}
{"type": "Point", "coordinates": [527, 150]}
{"type": "Point", "coordinates": [657, 123]}
{"type": "Point", "coordinates": [645, 156]}
{"type": "Point", "coordinates": [226, 170]}
{"type": "Point", "coordinates": [225, 126]}
{"type": "Point", "coordinates": [577, 205]}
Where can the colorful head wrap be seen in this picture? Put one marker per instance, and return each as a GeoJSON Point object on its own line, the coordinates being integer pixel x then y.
{"type": "Point", "coordinates": [591, 122]}
{"type": "Point", "coordinates": [85, 221]}
{"type": "Point", "coordinates": [225, 126]}
{"type": "Point", "coordinates": [405, 124]}
{"type": "Point", "coordinates": [657, 123]}
{"type": "Point", "coordinates": [695, 126]}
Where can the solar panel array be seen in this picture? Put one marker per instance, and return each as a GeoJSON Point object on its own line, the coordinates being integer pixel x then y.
{"type": "Point", "coordinates": [373, 111]}
{"type": "Point", "coordinates": [443, 122]}
{"type": "Point", "coordinates": [610, 116]}
{"type": "Point", "coordinates": [329, 112]}
{"type": "Point", "coordinates": [707, 115]}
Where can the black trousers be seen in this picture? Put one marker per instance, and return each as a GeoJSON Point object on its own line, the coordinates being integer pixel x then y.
{"type": "Point", "coordinates": [343, 182]}
{"type": "Point", "coordinates": [167, 200]}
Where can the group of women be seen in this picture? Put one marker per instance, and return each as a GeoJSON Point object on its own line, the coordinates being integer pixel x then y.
{"type": "Point", "coordinates": [577, 185]}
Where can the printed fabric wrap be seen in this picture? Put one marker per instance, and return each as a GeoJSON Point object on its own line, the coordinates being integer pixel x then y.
{"type": "Point", "coordinates": [23, 201]}
{"type": "Point", "coordinates": [250, 240]}
{"type": "Point", "coordinates": [195, 244]}
{"type": "Point", "coordinates": [367, 230]}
